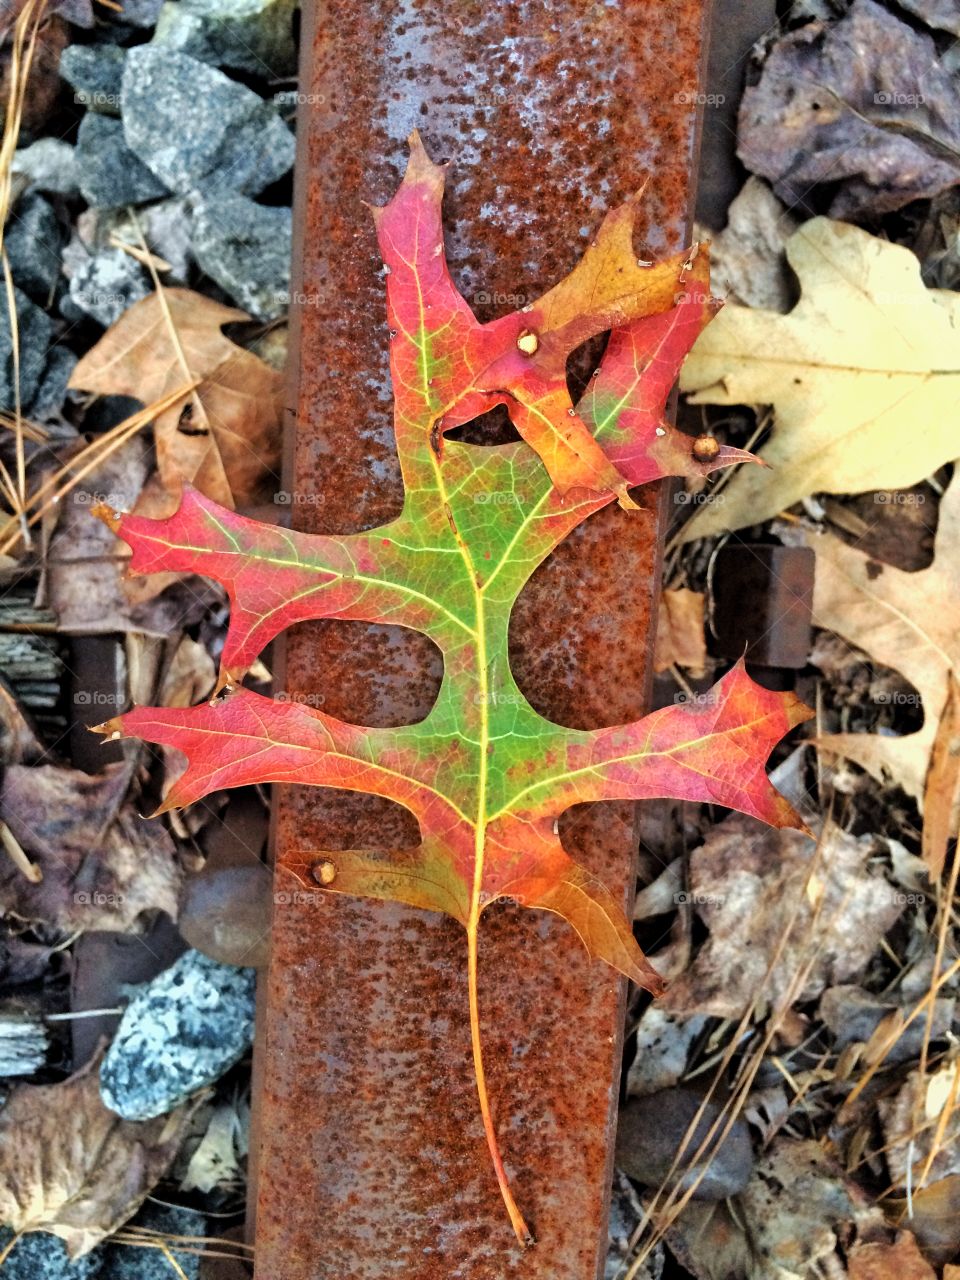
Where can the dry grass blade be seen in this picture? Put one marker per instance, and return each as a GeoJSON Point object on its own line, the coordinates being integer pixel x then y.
{"type": "Point", "coordinates": [143, 256]}
{"type": "Point", "coordinates": [203, 1246]}
{"type": "Point", "coordinates": [88, 459]}
{"type": "Point", "coordinates": [942, 784]}
{"type": "Point", "coordinates": [187, 372]}
{"type": "Point", "coordinates": [32, 431]}
{"type": "Point", "coordinates": [944, 904]}
{"type": "Point", "coordinates": [9, 1247]}
{"type": "Point", "coordinates": [17, 856]}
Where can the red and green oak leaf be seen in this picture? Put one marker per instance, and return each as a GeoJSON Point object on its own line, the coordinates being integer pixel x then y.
{"type": "Point", "coordinates": [485, 775]}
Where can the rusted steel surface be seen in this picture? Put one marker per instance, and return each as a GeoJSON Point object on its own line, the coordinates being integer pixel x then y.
{"type": "Point", "coordinates": [372, 1159]}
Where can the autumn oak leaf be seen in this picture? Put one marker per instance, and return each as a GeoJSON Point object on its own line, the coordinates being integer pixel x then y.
{"type": "Point", "coordinates": [486, 776]}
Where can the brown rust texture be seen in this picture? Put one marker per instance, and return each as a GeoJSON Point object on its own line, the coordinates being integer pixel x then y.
{"type": "Point", "coordinates": [372, 1160]}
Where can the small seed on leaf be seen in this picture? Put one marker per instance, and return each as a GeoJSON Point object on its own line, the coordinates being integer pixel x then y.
{"type": "Point", "coordinates": [324, 872]}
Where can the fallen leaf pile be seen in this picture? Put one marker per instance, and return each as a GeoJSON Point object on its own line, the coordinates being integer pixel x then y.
{"type": "Point", "coordinates": [793, 1214]}
{"type": "Point", "coordinates": [777, 906]}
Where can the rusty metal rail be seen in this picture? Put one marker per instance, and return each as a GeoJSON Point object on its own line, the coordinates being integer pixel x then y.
{"type": "Point", "coordinates": [372, 1160]}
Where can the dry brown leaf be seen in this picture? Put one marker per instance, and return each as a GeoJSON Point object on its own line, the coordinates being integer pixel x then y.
{"type": "Point", "coordinates": [86, 564]}
{"type": "Point", "coordinates": [190, 677]}
{"type": "Point", "coordinates": [863, 105]}
{"type": "Point", "coordinates": [862, 374]}
{"type": "Point", "coordinates": [38, 90]}
{"type": "Point", "coordinates": [943, 784]}
{"type": "Point", "coordinates": [920, 1102]}
{"type": "Point", "coordinates": [901, 1260]}
{"type": "Point", "coordinates": [933, 1215]}
{"type": "Point", "coordinates": [70, 1166]}
{"type": "Point", "coordinates": [225, 437]}
{"type": "Point", "coordinates": [216, 1159]}
{"type": "Point", "coordinates": [103, 865]}
{"type": "Point", "coordinates": [747, 260]}
{"type": "Point", "coordinates": [795, 1206]}
{"type": "Point", "coordinates": [749, 886]}
{"type": "Point", "coordinates": [878, 1026]}
{"type": "Point", "coordinates": [908, 621]}
{"type": "Point", "coordinates": [710, 1242]}
{"type": "Point", "coordinates": [680, 636]}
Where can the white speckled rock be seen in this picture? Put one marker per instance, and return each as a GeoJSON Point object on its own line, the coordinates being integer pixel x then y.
{"type": "Point", "coordinates": [180, 1032]}
{"type": "Point", "coordinates": [39, 1256]}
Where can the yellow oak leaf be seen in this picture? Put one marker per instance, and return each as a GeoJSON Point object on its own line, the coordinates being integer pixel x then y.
{"type": "Point", "coordinates": [863, 375]}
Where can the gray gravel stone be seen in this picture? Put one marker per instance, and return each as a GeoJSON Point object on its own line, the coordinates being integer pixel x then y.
{"type": "Point", "coordinates": [651, 1130]}
{"type": "Point", "coordinates": [225, 913]}
{"type": "Point", "coordinates": [166, 227]}
{"type": "Point", "coordinates": [108, 283]}
{"type": "Point", "coordinates": [49, 165]}
{"type": "Point", "coordinates": [40, 1256]}
{"type": "Point", "coordinates": [33, 241]}
{"type": "Point", "coordinates": [34, 328]}
{"type": "Point", "coordinates": [94, 71]}
{"type": "Point", "coordinates": [141, 13]}
{"type": "Point", "coordinates": [52, 392]}
{"type": "Point", "coordinates": [194, 126]}
{"type": "Point", "coordinates": [251, 35]}
{"type": "Point", "coordinates": [180, 1032]}
{"type": "Point", "coordinates": [110, 173]}
{"type": "Point", "coordinates": [245, 247]}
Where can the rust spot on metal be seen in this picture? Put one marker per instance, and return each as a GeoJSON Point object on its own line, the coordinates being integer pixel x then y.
{"type": "Point", "coordinates": [372, 1158]}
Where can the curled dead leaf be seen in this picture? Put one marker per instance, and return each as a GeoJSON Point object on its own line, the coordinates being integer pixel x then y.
{"type": "Point", "coordinates": [70, 1166]}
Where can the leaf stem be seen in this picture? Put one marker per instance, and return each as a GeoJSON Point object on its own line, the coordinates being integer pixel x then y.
{"type": "Point", "coordinates": [520, 1228]}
